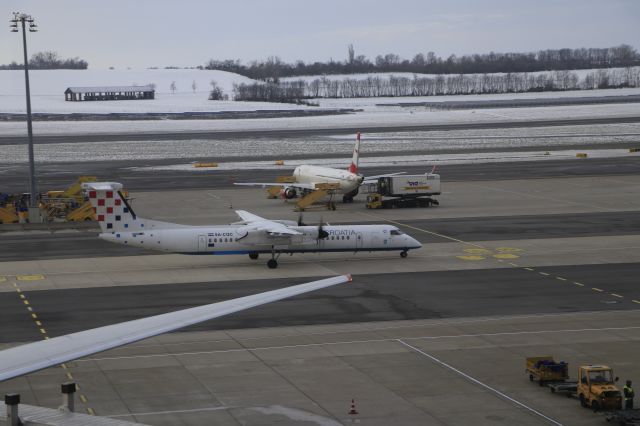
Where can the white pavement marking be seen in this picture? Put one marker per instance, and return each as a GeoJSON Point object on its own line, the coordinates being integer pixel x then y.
{"type": "Point", "coordinates": [193, 410]}
{"type": "Point", "coordinates": [350, 342]}
{"type": "Point", "coordinates": [478, 382]}
{"type": "Point", "coordinates": [371, 327]}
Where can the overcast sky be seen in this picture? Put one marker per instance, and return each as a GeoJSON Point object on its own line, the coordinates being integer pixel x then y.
{"type": "Point", "coordinates": [144, 33]}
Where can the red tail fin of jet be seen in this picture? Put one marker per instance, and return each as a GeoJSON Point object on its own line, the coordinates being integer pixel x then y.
{"type": "Point", "coordinates": [353, 168]}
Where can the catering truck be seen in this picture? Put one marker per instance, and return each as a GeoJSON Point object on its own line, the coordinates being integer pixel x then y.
{"type": "Point", "coordinates": [404, 191]}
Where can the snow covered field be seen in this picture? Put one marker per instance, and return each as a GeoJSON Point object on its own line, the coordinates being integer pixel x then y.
{"type": "Point", "coordinates": [375, 146]}
{"type": "Point", "coordinates": [48, 86]}
{"type": "Point", "coordinates": [383, 116]}
{"type": "Point", "coordinates": [428, 161]}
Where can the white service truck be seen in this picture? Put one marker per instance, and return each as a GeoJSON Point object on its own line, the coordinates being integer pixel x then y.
{"type": "Point", "coordinates": [404, 191]}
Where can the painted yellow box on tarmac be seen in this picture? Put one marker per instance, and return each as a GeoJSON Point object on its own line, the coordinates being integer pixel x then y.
{"type": "Point", "coordinates": [33, 277]}
{"type": "Point", "coordinates": [205, 164]}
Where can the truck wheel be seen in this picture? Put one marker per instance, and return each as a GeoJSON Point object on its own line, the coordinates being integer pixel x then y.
{"type": "Point", "coordinates": [595, 406]}
{"type": "Point", "coordinates": [583, 401]}
{"type": "Point", "coordinates": [541, 383]}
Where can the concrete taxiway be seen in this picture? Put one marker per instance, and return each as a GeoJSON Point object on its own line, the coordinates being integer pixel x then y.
{"type": "Point", "coordinates": [509, 269]}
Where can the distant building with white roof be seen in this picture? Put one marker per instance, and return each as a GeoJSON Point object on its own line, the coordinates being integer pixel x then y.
{"type": "Point", "coordinates": [109, 93]}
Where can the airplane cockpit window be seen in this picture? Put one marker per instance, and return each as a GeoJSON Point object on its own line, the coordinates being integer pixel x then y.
{"type": "Point", "coordinates": [396, 232]}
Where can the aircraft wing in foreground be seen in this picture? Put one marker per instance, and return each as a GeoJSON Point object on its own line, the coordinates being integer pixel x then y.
{"type": "Point", "coordinates": [35, 356]}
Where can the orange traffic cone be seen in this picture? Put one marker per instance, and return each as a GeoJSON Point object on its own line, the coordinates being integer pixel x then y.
{"type": "Point", "coordinates": [353, 408]}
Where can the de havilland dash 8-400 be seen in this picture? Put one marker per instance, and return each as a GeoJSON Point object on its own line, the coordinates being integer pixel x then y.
{"type": "Point", "coordinates": [252, 235]}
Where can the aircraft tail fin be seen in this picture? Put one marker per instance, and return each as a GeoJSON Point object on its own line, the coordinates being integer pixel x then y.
{"type": "Point", "coordinates": [112, 209]}
{"type": "Point", "coordinates": [353, 167]}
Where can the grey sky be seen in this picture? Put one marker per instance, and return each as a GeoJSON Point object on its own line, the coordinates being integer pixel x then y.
{"type": "Point", "coordinates": [143, 33]}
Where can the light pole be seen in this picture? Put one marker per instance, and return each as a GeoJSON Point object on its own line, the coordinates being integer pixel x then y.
{"type": "Point", "coordinates": [34, 211]}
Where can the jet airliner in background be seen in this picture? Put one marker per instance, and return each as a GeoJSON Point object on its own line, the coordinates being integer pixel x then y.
{"type": "Point", "coordinates": [308, 177]}
{"type": "Point", "coordinates": [252, 235]}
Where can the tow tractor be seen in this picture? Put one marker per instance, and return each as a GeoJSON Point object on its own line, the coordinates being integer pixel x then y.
{"type": "Point", "coordinates": [595, 388]}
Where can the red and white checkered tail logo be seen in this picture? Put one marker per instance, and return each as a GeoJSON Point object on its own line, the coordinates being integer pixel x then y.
{"type": "Point", "coordinates": [111, 210]}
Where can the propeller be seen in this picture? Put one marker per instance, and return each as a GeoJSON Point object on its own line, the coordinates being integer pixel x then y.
{"type": "Point", "coordinates": [322, 234]}
{"type": "Point", "coordinates": [300, 221]}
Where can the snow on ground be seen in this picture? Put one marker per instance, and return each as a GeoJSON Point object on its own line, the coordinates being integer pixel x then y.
{"type": "Point", "coordinates": [385, 103]}
{"type": "Point", "coordinates": [48, 86]}
{"type": "Point", "coordinates": [374, 145]}
{"type": "Point", "coordinates": [387, 116]}
{"type": "Point", "coordinates": [428, 161]}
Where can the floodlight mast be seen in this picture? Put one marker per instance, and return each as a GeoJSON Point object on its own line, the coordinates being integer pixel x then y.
{"type": "Point", "coordinates": [23, 19]}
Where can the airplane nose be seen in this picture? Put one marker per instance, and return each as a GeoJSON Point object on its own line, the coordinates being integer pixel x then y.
{"type": "Point", "coordinates": [413, 243]}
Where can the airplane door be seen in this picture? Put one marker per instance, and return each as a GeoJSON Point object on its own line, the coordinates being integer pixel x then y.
{"type": "Point", "coordinates": [359, 241]}
{"type": "Point", "coordinates": [202, 243]}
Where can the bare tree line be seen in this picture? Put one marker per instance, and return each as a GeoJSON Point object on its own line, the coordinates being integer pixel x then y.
{"type": "Point", "coordinates": [393, 86]}
{"type": "Point", "coordinates": [49, 60]}
{"type": "Point", "coordinates": [273, 68]}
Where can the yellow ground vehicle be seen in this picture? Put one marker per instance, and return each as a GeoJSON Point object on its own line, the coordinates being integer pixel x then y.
{"type": "Point", "coordinates": [597, 389]}
{"type": "Point", "coordinates": [8, 214]}
{"type": "Point", "coordinates": [545, 369]}
{"type": "Point", "coordinates": [70, 204]}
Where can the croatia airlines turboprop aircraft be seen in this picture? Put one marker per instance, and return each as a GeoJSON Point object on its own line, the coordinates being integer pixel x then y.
{"type": "Point", "coordinates": [308, 177]}
{"type": "Point", "coordinates": [252, 236]}
{"type": "Point", "coordinates": [35, 356]}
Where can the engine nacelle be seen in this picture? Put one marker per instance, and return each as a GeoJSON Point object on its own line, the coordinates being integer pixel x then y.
{"type": "Point", "coordinates": [288, 193]}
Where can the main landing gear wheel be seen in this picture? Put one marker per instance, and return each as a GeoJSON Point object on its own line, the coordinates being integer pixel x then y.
{"type": "Point", "coordinates": [403, 254]}
{"type": "Point", "coordinates": [253, 256]}
{"type": "Point", "coordinates": [272, 264]}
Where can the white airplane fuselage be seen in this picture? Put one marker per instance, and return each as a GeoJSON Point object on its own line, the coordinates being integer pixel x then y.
{"type": "Point", "coordinates": [349, 182]}
{"type": "Point", "coordinates": [236, 239]}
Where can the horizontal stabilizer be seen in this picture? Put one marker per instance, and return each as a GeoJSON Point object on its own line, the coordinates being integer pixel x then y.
{"type": "Point", "coordinates": [102, 186]}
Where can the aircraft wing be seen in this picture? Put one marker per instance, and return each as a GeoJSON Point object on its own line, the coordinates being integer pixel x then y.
{"type": "Point", "coordinates": [287, 184]}
{"type": "Point", "coordinates": [258, 223]}
{"type": "Point", "coordinates": [374, 179]}
{"type": "Point", "coordinates": [35, 356]}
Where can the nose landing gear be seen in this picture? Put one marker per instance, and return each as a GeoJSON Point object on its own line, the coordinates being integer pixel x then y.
{"type": "Point", "coordinates": [403, 254]}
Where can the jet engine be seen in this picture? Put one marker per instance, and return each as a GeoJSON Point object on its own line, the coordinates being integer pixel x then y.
{"type": "Point", "coordinates": [288, 193]}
